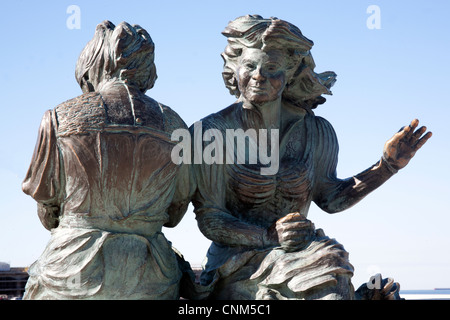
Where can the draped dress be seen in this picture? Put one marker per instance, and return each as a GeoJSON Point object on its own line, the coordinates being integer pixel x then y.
{"type": "Point", "coordinates": [105, 190]}
{"type": "Point", "coordinates": [308, 157]}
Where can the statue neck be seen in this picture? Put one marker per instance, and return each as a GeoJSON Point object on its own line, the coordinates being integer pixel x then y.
{"type": "Point", "coordinates": [116, 84]}
{"type": "Point", "coordinates": [270, 113]}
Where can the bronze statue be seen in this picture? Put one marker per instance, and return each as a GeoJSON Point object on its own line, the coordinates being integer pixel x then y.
{"type": "Point", "coordinates": [263, 245]}
{"type": "Point", "coordinates": [104, 181]}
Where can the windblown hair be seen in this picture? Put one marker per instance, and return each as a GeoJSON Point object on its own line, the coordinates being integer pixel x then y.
{"type": "Point", "coordinates": [304, 87]}
{"type": "Point", "coordinates": [124, 52]}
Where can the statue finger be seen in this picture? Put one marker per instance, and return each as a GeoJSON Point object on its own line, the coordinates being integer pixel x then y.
{"type": "Point", "coordinates": [411, 128]}
{"type": "Point", "coordinates": [298, 225]}
{"type": "Point", "coordinates": [292, 217]}
{"type": "Point", "coordinates": [414, 124]}
{"type": "Point", "coordinates": [295, 244]}
{"type": "Point", "coordinates": [296, 216]}
{"type": "Point", "coordinates": [402, 133]}
{"type": "Point", "coordinates": [422, 141]}
{"type": "Point", "coordinates": [407, 131]}
{"type": "Point", "coordinates": [419, 132]}
{"type": "Point", "coordinates": [291, 236]}
{"type": "Point", "coordinates": [299, 233]}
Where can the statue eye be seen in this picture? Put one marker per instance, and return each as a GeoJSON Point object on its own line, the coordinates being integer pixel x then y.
{"type": "Point", "coordinates": [250, 66]}
{"type": "Point", "coordinates": [272, 68]}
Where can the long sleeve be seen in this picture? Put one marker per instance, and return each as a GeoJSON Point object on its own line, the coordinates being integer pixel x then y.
{"type": "Point", "coordinates": [42, 181]}
{"type": "Point", "coordinates": [184, 181]}
{"type": "Point", "coordinates": [184, 188]}
{"type": "Point", "coordinates": [331, 193]}
{"type": "Point", "coordinates": [215, 221]}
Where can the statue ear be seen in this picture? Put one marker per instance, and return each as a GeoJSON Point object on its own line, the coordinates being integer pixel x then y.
{"type": "Point", "coordinates": [86, 85]}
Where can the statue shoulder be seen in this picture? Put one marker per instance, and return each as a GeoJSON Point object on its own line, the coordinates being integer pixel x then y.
{"type": "Point", "coordinates": [81, 114]}
{"type": "Point", "coordinates": [323, 126]}
{"type": "Point", "coordinates": [326, 142]}
{"type": "Point", "coordinates": [172, 119]}
{"type": "Point", "coordinates": [86, 100]}
{"type": "Point", "coordinates": [222, 120]}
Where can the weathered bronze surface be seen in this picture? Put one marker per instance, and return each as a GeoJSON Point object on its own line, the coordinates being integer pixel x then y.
{"type": "Point", "coordinates": [264, 247]}
{"type": "Point", "coordinates": [104, 181]}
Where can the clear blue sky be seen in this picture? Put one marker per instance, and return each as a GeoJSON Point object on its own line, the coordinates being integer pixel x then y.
{"type": "Point", "coordinates": [386, 78]}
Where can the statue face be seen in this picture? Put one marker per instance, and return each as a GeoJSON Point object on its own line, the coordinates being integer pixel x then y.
{"type": "Point", "coordinates": [261, 75]}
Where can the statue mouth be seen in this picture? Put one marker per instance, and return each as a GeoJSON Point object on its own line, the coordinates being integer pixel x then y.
{"type": "Point", "coordinates": [258, 89]}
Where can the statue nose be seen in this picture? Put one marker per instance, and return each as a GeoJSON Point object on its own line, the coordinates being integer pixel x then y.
{"type": "Point", "coordinates": [258, 74]}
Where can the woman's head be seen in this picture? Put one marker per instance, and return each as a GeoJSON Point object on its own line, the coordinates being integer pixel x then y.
{"type": "Point", "coordinates": [122, 52]}
{"type": "Point", "coordinates": [273, 37]}
{"type": "Point", "coordinates": [261, 75]}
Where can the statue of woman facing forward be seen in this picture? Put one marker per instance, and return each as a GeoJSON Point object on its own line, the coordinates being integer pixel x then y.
{"type": "Point", "coordinates": [104, 181]}
{"type": "Point", "coordinates": [263, 246]}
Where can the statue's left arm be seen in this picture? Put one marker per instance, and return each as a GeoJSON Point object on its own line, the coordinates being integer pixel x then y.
{"type": "Point", "coordinates": [334, 195]}
{"type": "Point", "coordinates": [42, 181]}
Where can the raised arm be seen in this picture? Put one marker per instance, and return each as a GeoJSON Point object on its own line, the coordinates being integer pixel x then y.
{"type": "Point", "coordinates": [334, 195]}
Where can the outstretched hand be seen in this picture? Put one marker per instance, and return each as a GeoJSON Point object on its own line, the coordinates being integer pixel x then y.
{"type": "Point", "coordinates": [402, 147]}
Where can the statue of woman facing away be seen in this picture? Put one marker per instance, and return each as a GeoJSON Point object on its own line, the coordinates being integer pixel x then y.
{"type": "Point", "coordinates": [104, 181]}
{"type": "Point", "coordinates": [263, 245]}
